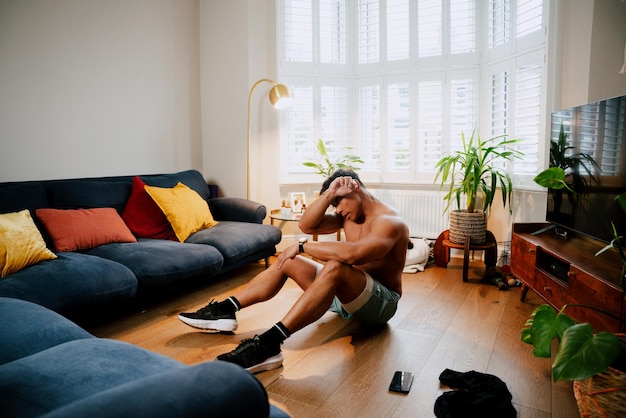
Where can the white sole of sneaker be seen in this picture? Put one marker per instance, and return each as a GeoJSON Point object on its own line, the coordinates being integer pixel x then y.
{"type": "Point", "coordinates": [270, 364]}
{"type": "Point", "coordinates": [217, 325]}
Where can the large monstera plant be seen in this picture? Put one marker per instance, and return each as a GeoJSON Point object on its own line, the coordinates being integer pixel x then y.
{"type": "Point", "coordinates": [581, 352]}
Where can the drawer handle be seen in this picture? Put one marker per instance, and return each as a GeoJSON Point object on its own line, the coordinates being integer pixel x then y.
{"type": "Point", "coordinates": [531, 250]}
{"type": "Point", "coordinates": [547, 289]}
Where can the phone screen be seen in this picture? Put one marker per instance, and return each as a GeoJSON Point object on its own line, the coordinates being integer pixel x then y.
{"type": "Point", "coordinates": [401, 382]}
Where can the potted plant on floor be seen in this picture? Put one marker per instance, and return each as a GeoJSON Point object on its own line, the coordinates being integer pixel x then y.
{"type": "Point", "coordinates": [593, 360]}
{"type": "Point", "coordinates": [475, 172]}
{"type": "Point", "coordinates": [326, 166]}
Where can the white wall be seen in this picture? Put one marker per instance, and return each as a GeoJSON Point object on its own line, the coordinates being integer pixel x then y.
{"type": "Point", "coordinates": [244, 54]}
{"type": "Point", "coordinates": [591, 36]}
{"type": "Point", "coordinates": [93, 88]}
{"type": "Point", "coordinates": [224, 68]}
{"type": "Point", "coordinates": [607, 50]}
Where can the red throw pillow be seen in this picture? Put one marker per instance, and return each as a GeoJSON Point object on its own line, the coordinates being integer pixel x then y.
{"type": "Point", "coordinates": [144, 217]}
{"type": "Point", "coordinates": [81, 229]}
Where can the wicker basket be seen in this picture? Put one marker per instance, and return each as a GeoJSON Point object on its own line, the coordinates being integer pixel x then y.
{"type": "Point", "coordinates": [602, 395]}
{"type": "Point", "coordinates": [464, 223]}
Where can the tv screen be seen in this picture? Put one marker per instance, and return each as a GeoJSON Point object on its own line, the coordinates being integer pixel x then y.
{"type": "Point", "coordinates": [589, 143]}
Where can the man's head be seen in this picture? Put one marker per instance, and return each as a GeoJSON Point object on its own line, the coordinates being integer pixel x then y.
{"type": "Point", "coordinates": [352, 207]}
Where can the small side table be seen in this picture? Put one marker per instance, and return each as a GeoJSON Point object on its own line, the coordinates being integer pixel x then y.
{"type": "Point", "coordinates": [278, 215]}
{"type": "Point", "coordinates": [443, 246]}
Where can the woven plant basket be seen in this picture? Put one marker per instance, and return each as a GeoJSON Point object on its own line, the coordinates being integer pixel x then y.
{"type": "Point", "coordinates": [603, 395]}
{"type": "Point", "coordinates": [464, 223]}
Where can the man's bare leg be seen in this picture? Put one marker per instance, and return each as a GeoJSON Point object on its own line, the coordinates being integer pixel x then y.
{"type": "Point", "coordinates": [263, 352]}
{"type": "Point", "coordinates": [268, 283]}
{"type": "Point", "coordinates": [335, 279]}
{"type": "Point", "coordinates": [220, 316]}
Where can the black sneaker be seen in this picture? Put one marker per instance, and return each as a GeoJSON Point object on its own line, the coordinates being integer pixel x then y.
{"type": "Point", "coordinates": [254, 356]}
{"type": "Point", "coordinates": [211, 317]}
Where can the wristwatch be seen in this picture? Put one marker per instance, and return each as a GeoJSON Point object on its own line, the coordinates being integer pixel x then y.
{"type": "Point", "coordinates": [301, 243]}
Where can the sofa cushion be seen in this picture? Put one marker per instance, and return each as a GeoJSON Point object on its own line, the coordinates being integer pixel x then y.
{"type": "Point", "coordinates": [44, 381]}
{"type": "Point", "coordinates": [21, 243]}
{"type": "Point", "coordinates": [80, 229]}
{"type": "Point", "coordinates": [18, 196]}
{"type": "Point", "coordinates": [158, 263]}
{"type": "Point", "coordinates": [72, 281]}
{"type": "Point", "coordinates": [191, 178]}
{"type": "Point", "coordinates": [236, 241]}
{"type": "Point", "coordinates": [27, 328]}
{"type": "Point", "coordinates": [211, 389]}
{"type": "Point", "coordinates": [89, 193]}
{"type": "Point", "coordinates": [144, 217]}
{"type": "Point", "coordinates": [184, 208]}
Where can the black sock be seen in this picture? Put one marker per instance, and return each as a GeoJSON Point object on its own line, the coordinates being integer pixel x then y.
{"type": "Point", "coordinates": [275, 335]}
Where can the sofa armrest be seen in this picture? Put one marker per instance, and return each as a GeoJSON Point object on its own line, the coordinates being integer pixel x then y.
{"type": "Point", "coordinates": [237, 209]}
{"type": "Point", "coordinates": [27, 328]}
{"type": "Point", "coordinates": [211, 389]}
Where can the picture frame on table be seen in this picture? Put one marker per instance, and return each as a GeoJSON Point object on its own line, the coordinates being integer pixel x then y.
{"type": "Point", "coordinates": [298, 201]}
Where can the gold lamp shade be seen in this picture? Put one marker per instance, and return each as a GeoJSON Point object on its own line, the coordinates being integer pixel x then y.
{"type": "Point", "coordinates": [280, 96]}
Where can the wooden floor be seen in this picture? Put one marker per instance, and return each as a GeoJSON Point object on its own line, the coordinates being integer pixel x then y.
{"type": "Point", "coordinates": [336, 368]}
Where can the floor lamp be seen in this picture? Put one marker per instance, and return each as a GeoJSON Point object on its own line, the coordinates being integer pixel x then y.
{"type": "Point", "coordinates": [280, 96]}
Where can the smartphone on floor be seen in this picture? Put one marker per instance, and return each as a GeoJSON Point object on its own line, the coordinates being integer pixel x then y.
{"type": "Point", "coordinates": [401, 382]}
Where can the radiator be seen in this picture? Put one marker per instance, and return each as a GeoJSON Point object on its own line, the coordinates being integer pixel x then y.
{"type": "Point", "coordinates": [422, 210]}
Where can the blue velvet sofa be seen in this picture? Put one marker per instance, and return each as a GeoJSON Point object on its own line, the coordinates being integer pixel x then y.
{"type": "Point", "coordinates": [50, 367]}
{"type": "Point", "coordinates": [121, 272]}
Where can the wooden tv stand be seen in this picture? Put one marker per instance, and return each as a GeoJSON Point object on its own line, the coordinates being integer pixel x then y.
{"type": "Point", "coordinates": [566, 270]}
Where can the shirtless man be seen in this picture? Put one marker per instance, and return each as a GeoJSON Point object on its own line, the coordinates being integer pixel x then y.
{"type": "Point", "coordinates": [360, 277]}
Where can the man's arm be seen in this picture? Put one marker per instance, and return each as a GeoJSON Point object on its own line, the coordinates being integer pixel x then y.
{"type": "Point", "coordinates": [315, 220]}
{"type": "Point", "coordinates": [384, 234]}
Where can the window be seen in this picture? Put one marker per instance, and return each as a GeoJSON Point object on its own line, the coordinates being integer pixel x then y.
{"type": "Point", "coordinates": [399, 81]}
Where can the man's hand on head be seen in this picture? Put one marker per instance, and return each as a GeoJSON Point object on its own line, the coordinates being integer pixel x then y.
{"type": "Point", "coordinates": [343, 186]}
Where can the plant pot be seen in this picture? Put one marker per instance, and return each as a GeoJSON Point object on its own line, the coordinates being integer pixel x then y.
{"type": "Point", "coordinates": [463, 223]}
{"type": "Point", "coordinates": [604, 395]}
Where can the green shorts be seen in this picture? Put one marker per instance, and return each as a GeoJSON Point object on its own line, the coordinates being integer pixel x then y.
{"type": "Point", "coordinates": [375, 305]}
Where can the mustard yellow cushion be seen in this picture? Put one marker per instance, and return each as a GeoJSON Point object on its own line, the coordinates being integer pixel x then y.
{"type": "Point", "coordinates": [184, 208]}
{"type": "Point", "coordinates": [21, 243]}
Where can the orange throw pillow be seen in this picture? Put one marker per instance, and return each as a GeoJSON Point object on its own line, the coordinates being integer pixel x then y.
{"type": "Point", "coordinates": [81, 229]}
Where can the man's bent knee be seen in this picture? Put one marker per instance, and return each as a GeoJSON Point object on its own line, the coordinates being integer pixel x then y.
{"type": "Point", "coordinates": [335, 269]}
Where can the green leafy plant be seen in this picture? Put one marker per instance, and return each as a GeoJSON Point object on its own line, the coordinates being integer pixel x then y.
{"type": "Point", "coordinates": [580, 353]}
{"type": "Point", "coordinates": [473, 171]}
{"type": "Point", "coordinates": [325, 166]}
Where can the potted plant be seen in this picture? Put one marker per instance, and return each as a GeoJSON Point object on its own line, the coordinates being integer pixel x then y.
{"type": "Point", "coordinates": [474, 172]}
{"type": "Point", "coordinates": [581, 353]}
{"type": "Point", "coordinates": [325, 166]}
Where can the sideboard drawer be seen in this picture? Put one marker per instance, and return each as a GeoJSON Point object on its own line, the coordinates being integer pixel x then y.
{"type": "Point", "coordinates": [550, 289]}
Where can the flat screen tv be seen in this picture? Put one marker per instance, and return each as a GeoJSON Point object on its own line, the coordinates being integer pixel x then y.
{"type": "Point", "coordinates": [593, 155]}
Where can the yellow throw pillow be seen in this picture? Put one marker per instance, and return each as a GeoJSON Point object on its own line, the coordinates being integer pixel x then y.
{"type": "Point", "coordinates": [21, 243]}
{"type": "Point", "coordinates": [184, 208]}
